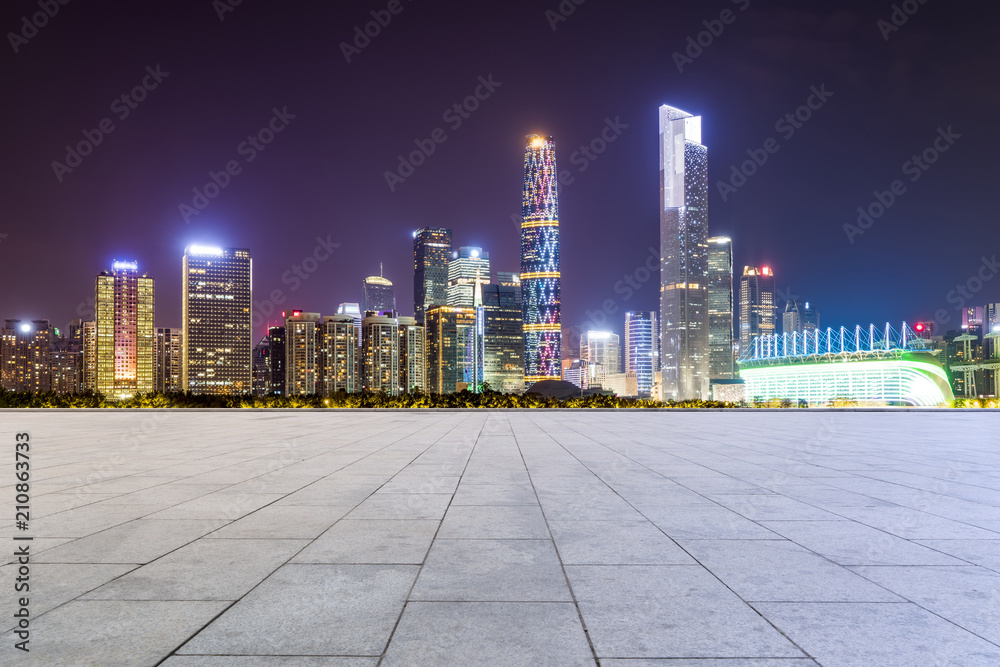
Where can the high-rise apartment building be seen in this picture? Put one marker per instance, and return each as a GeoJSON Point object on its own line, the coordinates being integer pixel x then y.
{"type": "Point", "coordinates": [354, 310]}
{"type": "Point", "coordinates": [450, 348]}
{"type": "Point", "coordinates": [758, 312]}
{"type": "Point", "coordinates": [379, 294]}
{"type": "Point", "coordinates": [722, 360]}
{"type": "Point", "coordinates": [65, 354]}
{"type": "Point", "coordinates": [380, 353]}
{"type": "Point", "coordinates": [604, 356]}
{"type": "Point", "coordinates": [300, 353]}
{"type": "Point", "coordinates": [540, 262]}
{"type": "Point", "coordinates": [25, 361]}
{"type": "Point", "coordinates": [167, 362]}
{"type": "Point", "coordinates": [642, 354]}
{"type": "Point", "coordinates": [431, 255]}
{"type": "Point", "coordinates": [338, 355]}
{"type": "Point", "coordinates": [467, 267]}
{"type": "Point", "coordinates": [217, 294]}
{"type": "Point", "coordinates": [684, 340]}
{"type": "Point", "coordinates": [412, 355]}
{"type": "Point", "coordinates": [262, 367]}
{"type": "Point", "coordinates": [124, 354]}
{"type": "Point", "coordinates": [276, 358]}
{"type": "Point", "coordinates": [88, 334]}
{"type": "Point", "coordinates": [503, 335]}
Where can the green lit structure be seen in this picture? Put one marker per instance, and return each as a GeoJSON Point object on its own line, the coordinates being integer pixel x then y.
{"type": "Point", "coordinates": [867, 366]}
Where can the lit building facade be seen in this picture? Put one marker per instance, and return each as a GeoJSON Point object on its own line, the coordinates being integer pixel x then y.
{"type": "Point", "coordinates": [338, 355]}
{"type": "Point", "coordinates": [379, 294]}
{"type": "Point", "coordinates": [380, 353]}
{"type": "Point", "coordinates": [642, 353]}
{"type": "Point", "coordinates": [276, 359]}
{"type": "Point", "coordinates": [758, 312]}
{"type": "Point", "coordinates": [450, 348]}
{"type": "Point", "coordinates": [88, 333]}
{"type": "Point", "coordinates": [431, 255]}
{"type": "Point", "coordinates": [467, 267]}
{"type": "Point", "coordinates": [300, 353]}
{"type": "Point", "coordinates": [503, 335]}
{"type": "Point", "coordinates": [604, 356]}
{"type": "Point", "coordinates": [684, 339]}
{"type": "Point", "coordinates": [124, 303]}
{"type": "Point", "coordinates": [354, 310]}
{"type": "Point", "coordinates": [722, 359]}
{"type": "Point", "coordinates": [25, 361]}
{"type": "Point", "coordinates": [262, 367]}
{"type": "Point", "coordinates": [167, 361]}
{"type": "Point", "coordinates": [540, 262]}
{"type": "Point", "coordinates": [412, 355]}
{"type": "Point", "coordinates": [217, 302]}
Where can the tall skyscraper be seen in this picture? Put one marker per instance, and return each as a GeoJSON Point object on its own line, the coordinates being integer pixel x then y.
{"type": "Point", "coordinates": [412, 355]}
{"type": "Point", "coordinates": [88, 332]}
{"type": "Point", "coordinates": [540, 262]}
{"type": "Point", "coordinates": [503, 334]}
{"type": "Point", "coordinates": [791, 319]}
{"type": "Point", "coordinates": [450, 348]}
{"type": "Point", "coordinates": [467, 266]}
{"type": "Point", "coordinates": [167, 359]}
{"type": "Point", "coordinates": [354, 310]}
{"type": "Point", "coordinates": [25, 361]}
{"type": "Point", "coordinates": [758, 312]}
{"type": "Point", "coordinates": [431, 254]}
{"type": "Point", "coordinates": [684, 339]}
{"type": "Point", "coordinates": [300, 353]}
{"type": "Point", "coordinates": [338, 355]}
{"type": "Point", "coordinates": [276, 359]}
{"type": "Point", "coordinates": [642, 354]}
{"type": "Point", "coordinates": [722, 360]}
{"type": "Point", "coordinates": [604, 356]}
{"type": "Point", "coordinates": [379, 294]}
{"type": "Point", "coordinates": [810, 318]}
{"type": "Point", "coordinates": [217, 293]}
{"type": "Point", "coordinates": [380, 353]}
{"type": "Point", "coordinates": [125, 337]}
{"type": "Point", "coordinates": [262, 367]}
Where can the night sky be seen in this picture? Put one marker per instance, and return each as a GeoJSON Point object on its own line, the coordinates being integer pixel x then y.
{"type": "Point", "coordinates": [324, 174]}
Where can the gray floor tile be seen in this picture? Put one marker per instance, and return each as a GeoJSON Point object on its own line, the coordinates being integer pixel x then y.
{"type": "Point", "coordinates": [614, 543]}
{"type": "Point", "coordinates": [137, 541]}
{"type": "Point", "coordinates": [265, 661]}
{"type": "Point", "coordinates": [888, 635]}
{"type": "Point", "coordinates": [521, 522]}
{"type": "Point", "coordinates": [402, 506]}
{"type": "Point", "coordinates": [981, 552]}
{"type": "Point", "coordinates": [372, 541]}
{"type": "Point", "coordinates": [51, 585]}
{"type": "Point", "coordinates": [284, 521]}
{"type": "Point", "coordinates": [706, 523]}
{"type": "Point", "coordinates": [202, 570]}
{"type": "Point", "coordinates": [489, 634]}
{"type": "Point", "coordinates": [669, 611]}
{"type": "Point", "coordinates": [494, 494]}
{"type": "Point", "coordinates": [293, 612]}
{"type": "Point", "coordinates": [492, 570]}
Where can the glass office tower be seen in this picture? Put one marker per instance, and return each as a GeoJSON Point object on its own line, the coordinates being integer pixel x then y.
{"type": "Point", "coordinates": [684, 338]}
{"type": "Point", "coordinates": [722, 364]}
{"type": "Point", "coordinates": [125, 340]}
{"type": "Point", "coordinates": [217, 303]}
{"type": "Point", "coordinates": [642, 349]}
{"type": "Point", "coordinates": [431, 254]}
{"type": "Point", "coordinates": [758, 312]}
{"type": "Point", "coordinates": [540, 277]}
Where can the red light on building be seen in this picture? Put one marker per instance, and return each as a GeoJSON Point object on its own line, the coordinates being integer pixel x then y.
{"type": "Point", "coordinates": [766, 270]}
{"type": "Point", "coordinates": [296, 313]}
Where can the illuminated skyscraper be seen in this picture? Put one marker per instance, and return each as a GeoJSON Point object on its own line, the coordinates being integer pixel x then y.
{"type": "Point", "coordinates": [337, 355]}
{"type": "Point", "coordinates": [217, 293]}
{"type": "Point", "coordinates": [167, 359]}
{"type": "Point", "coordinates": [642, 350]}
{"type": "Point", "coordinates": [25, 363]}
{"type": "Point", "coordinates": [450, 348]}
{"type": "Point", "coordinates": [354, 310]}
{"type": "Point", "coordinates": [412, 355]}
{"type": "Point", "coordinates": [380, 353]}
{"type": "Point", "coordinates": [431, 254]}
{"type": "Point", "coordinates": [276, 360]}
{"type": "Point", "coordinates": [540, 277]}
{"type": "Point", "coordinates": [88, 332]}
{"type": "Point", "coordinates": [684, 338]}
{"type": "Point", "coordinates": [466, 267]}
{"type": "Point", "coordinates": [125, 336]}
{"type": "Point", "coordinates": [758, 313]}
{"type": "Point", "coordinates": [604, 356]}
{"type": "Point", "coordinates": [379, 294]}
{"type": "Point", "coordinates": [503, 335]}
{"type": "Point", "coordinates": [262, 367]}
{"type": "Point", "coordinates": [300, 353]}
{"type": "Point", "coordinates": [720, 308]}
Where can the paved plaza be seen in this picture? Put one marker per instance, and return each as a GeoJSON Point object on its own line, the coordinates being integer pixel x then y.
{"type": "Point", "coordinates": [624, 539]}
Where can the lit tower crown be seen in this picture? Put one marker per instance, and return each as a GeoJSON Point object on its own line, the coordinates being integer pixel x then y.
{"type": "Point", "coordinates": [540, 289]}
